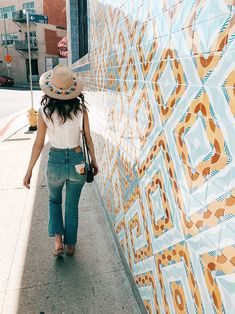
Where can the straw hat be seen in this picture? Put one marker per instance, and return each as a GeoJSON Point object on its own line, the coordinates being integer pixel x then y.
{"type": "Point", "coordinates": [60, 83]}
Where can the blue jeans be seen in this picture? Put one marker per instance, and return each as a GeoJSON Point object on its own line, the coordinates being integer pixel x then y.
{"type": "Point", "coordinates": [61, 170]}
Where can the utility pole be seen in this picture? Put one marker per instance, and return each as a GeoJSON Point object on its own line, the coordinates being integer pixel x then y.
{"type": "Point", "coordinates": [6, 44]}
{"type": "Point", "coordinates": [32, 114]}
{"type": "Point", "coordinates": [29, 53]}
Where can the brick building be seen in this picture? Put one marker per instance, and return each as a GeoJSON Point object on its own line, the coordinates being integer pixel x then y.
{"type": "Point", "coordinates": [43, 37]}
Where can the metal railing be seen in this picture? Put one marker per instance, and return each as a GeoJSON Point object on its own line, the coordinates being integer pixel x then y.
{"type": "Point", "coordinates": [19, 16]}
{"type": "Point", "coordinates": [23, 44]}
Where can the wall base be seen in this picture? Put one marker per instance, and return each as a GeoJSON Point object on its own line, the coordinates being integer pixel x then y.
{"type": "Point", "coordinates": [126, 266]}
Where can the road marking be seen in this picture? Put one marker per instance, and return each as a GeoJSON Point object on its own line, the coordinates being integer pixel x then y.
{"type": "Point", "coordinates": [12, 124]}
{"type": "Point", "coordinates": [6, 127]}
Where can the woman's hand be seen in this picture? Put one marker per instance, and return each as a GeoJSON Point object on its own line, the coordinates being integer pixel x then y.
{"type": "Point", "coordinates": [27, 178]}
{"type": "Point", "coordinates": [36, 150]}
{"type": "Point", "coordinates": [95, 167]}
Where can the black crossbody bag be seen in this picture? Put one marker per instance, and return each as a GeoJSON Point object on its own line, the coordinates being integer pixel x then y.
{"type": "Point", "coordinates": [89, 168]}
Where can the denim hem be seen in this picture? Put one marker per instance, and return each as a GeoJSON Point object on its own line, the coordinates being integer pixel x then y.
{"type": "Point", "coordinates": [65, 243]}
{"type": "Point", "coordinates": [54, 234]}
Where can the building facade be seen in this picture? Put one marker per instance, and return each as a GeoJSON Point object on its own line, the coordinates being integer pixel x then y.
{"type": "Point", "coordinates": [43, 37]}
{"type": "Point", "coordinates": [160, 81]}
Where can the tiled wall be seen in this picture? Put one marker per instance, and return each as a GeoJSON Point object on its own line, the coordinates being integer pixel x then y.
{"type": "Point", "coordinates": [161, 89]}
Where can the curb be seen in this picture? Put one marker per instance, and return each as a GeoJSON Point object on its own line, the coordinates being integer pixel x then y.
{"type": "Point", "coordinates": [26, 87]}
{"type": "Point", "coordinates": [12, 124]}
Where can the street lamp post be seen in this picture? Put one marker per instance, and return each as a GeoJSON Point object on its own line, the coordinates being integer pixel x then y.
{"type": "Point", "coordinates": [32, 114]}
{"type": "Point", "coordinates": [29, 53]}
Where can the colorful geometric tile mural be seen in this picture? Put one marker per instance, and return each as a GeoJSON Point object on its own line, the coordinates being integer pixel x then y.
{"type": "Point", "coordinates": [161, 89]}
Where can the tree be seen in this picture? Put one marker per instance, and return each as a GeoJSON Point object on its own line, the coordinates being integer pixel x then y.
{"type": "Point", "coordinates": [63, 47]}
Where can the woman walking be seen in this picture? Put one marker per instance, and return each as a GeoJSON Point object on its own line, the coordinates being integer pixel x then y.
{"type": "Point", "coordinates": [61, 117]}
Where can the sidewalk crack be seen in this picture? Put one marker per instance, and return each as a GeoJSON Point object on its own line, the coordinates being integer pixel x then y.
{"type": "Point", "coordinates": [65, 281]}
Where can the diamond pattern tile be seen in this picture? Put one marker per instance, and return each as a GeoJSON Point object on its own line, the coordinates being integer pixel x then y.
{"type": "Point", "coordinates": [161, 91]}
{"type": "Point", "coordinates": [197, 143]}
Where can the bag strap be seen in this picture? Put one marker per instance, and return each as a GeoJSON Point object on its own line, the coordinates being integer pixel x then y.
{"type": "Point", "coordinates": [85, 148]}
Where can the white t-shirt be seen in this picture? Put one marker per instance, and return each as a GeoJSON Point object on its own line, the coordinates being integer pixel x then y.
{"type": "Point", "coordinates": [65, 135]}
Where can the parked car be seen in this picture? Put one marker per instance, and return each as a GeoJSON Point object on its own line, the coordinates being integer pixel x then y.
{"type": "Point", "coordinates": [6, 80]}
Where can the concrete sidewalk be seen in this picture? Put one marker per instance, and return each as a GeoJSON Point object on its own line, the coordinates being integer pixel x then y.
{"type": "Point", "coordinates": [31, 279]}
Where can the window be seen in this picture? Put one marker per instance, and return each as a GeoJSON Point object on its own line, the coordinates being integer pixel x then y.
{"type": "Point", "coordinates": [51, 62]}
{"type": "Point", "coordinates": [9, 39]}
{"type": "Point", "coordinates": [83, 28]}
{"type": "Point", "coordinates": [29, 6]}
{"type": "Point", "coordinates": [7, 12]}
{"type": "Point", "coordinates": [32, 37]}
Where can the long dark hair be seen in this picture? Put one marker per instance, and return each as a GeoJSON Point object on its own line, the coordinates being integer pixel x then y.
{"type": "Point", "coordinates": [66, 109]}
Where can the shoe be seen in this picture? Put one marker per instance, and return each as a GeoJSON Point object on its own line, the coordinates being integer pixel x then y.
{"type": "Point", "coordinates": [70, 252]}
{"type": "Point", "coordinates": [58, 252]}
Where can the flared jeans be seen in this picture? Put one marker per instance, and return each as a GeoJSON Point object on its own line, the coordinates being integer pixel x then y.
{"type": "Point", "coordinates": [60, 171]}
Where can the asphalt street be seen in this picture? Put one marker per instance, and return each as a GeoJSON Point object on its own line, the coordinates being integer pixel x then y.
{"type": "Point", "coordinates": [13, 100]}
